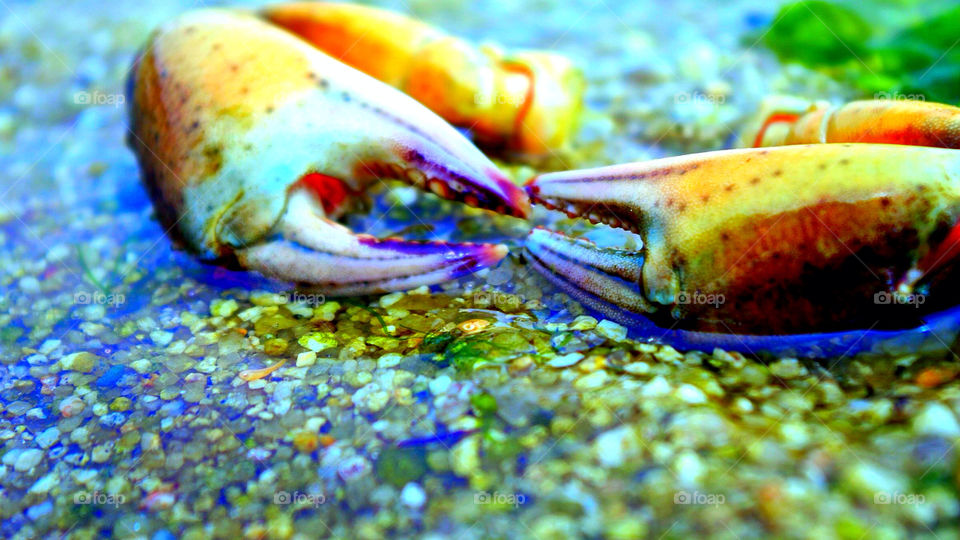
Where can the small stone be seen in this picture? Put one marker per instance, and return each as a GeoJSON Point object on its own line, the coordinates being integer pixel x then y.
{"type": "Point", "coordinates": [938, 420]}
{"type": "Point", "coordinates": [121, 404]}
{"type": "Point", "coordinates": [637, 368]}
{"type": "Point", "coordinates": [413, 496]}
{"type": "Point", "coordinates": [353, 468]}
{"type": "Point", "coordinates": [223, 308]}
{"type": "Point", "coordinates": [691, 394]}
{"type": "Point", "coordinates": [317, 341]}
{"type": "Point", "coordinates": [787, 368]}
{"type": "Point", "coordinates": [161, 338]}
{"type": "Point", "coordinates": [48, 437]}
{"type": "Point", "coordinates": [38, 511]}
{"type": "Point", "coordinates": [306, 441]}
{"type": "Point", "coordinates": [615, 447]}
{"type": "Point", "coordinates": [82, 362]}
{"type": "Point", "coordinates": [583, 322]}
{"type": "Point", "coordinates": [141, 366]}
{"type": "Point", "coordinates": [388, 300]}
{"type": "Point", "coordinates": [275, 346]}
{"type": "Point", "coordinates": [102, 453]}
{"type": "Point", "coordinates": [565, 360]}
{"type": "Point", "coordinates": [307, 358]}
{"type": "Point", "coordinates": [30, 284]}
{"type": "Point", "coordinates": [611, 330]}
{"type": "Point", "coordinates": [71, 406]}
{"type": "Point", "coordinates": [592, 381]}
{"type": "Point", "coordinates": [27, 460]}
{"type": "Point", "coordinates": [658, 386]}
{"type": "Point", "coordinates": [440, 385]}
{"type": "Point", "coordinates": [465, 456]}
{"type": "Point", "coordinates": [389, 360]}
{"type": "Point", "coordinates": [45, 484]}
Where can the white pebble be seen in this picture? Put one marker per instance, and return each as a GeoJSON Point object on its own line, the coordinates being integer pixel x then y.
{"type": "Point", "coordinates": [413, 495]}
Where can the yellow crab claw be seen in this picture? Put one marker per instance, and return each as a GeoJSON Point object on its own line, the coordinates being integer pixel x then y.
{"type": "Point", "coordinates": [789, 120]}
{"type": "Point", "coordinates": [780, 240]}
{"type": "Point", "coordinates": [528, 101]}
{"type": "Point", "coordinates": [250, 139]}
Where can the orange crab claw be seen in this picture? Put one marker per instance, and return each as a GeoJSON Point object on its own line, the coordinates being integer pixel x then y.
{"type": "Point", "coordinates": [783, 240]}
{"type": "Point", "coordinates": [785, 120]}
{"type": "Point", "coordinates": [527, 101]}
{"type": "Point", "coordinates": [250, 140]}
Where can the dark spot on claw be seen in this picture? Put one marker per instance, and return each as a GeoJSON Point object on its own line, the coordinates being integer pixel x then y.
{"type": "Point", "coordinates": [755, 180]}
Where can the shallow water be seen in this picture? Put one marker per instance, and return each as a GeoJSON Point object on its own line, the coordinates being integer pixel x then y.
{"type": "Point", "coordinates": [122, 412]}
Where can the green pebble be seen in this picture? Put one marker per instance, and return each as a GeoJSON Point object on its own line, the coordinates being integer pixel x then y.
{"type": "Point", "coordinates": [121, 404]}
{"type": "Point", "coordinates": [399, 466]}
{"type": "Point", "coordinates": [484, 404]}
{"type": "Point", "coordinates": [81, 361]}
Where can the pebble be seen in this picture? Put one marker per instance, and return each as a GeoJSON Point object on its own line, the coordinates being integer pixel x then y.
{"type": "Point", "coordinates": [30, 284]}
{"type": "Point", "coordinates": [44, 485]}
{"type": "Point", "coordinates": [141, 366]}
{"type": "Point", "coordinates": [565, 360]}
{"type": "Point", "coordinates": [691, 394]}
{"type": "Point", "coordinates": [121, 404]}
{"type": "Point", "coordinates": [81, 361]}
{"type": "Point", "coordinates": [388, 300]}
{"type": "Point", "coordinates": [413, 496]}
{"type": "Point", "coordinates": [27, 460]}
{"type": "Point", "coordinates": [102, 453]}
{"type": "Point", "coordinates": [223, 308]}
{"type": "Point", "coordinates": [317, 341]}
{"type": "Point", "coordinates": [465, 456]}
{"type": "Point", "coordinates": [611, 330]}
{"type": "Point", "coordinates": [113, 420]}
{"type": "Point", "coordinates": [440, 385]}
{"type": "Point", "coordinates": [353, 468]}
{"type": "Point", "coordinates": [583, 322]}
{"type": "Point", "coordinates": [593, 381]}
{"type": "Point", "coordinates": [936, 419]}
{"type": "Point", "coordinates": [48, 437]}
{"type": "Point", "coordinates": [658, 386]}
{"type": "Point", "coordinates": [40, 510]}
{"type": "Point", "coordinates": [613, 448]}
{"type": "Point", "coordinates": [307, 358]}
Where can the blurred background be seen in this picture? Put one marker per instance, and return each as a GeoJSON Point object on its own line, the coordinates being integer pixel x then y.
{"type": "Point", "coordinates": [121, 412]}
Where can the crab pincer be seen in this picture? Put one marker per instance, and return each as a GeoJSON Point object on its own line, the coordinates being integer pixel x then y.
{"type": "Point", "coordinates": [252, 142]}
{"type": "Point", "coordinates": [789, 120]}
{"type": "Point", "coordinates": [766, 248]}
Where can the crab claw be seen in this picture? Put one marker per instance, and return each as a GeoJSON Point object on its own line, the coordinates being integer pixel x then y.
{"type": "Point", "coordinates": [782, 240]}
{"type": "Point", "coordinates": [249, 139]}
{"type": "Point", "coordinates": [322, 253]}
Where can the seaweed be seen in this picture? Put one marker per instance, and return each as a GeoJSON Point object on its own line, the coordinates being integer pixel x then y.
{"type": "Point", "coordinates": [884, 57]}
